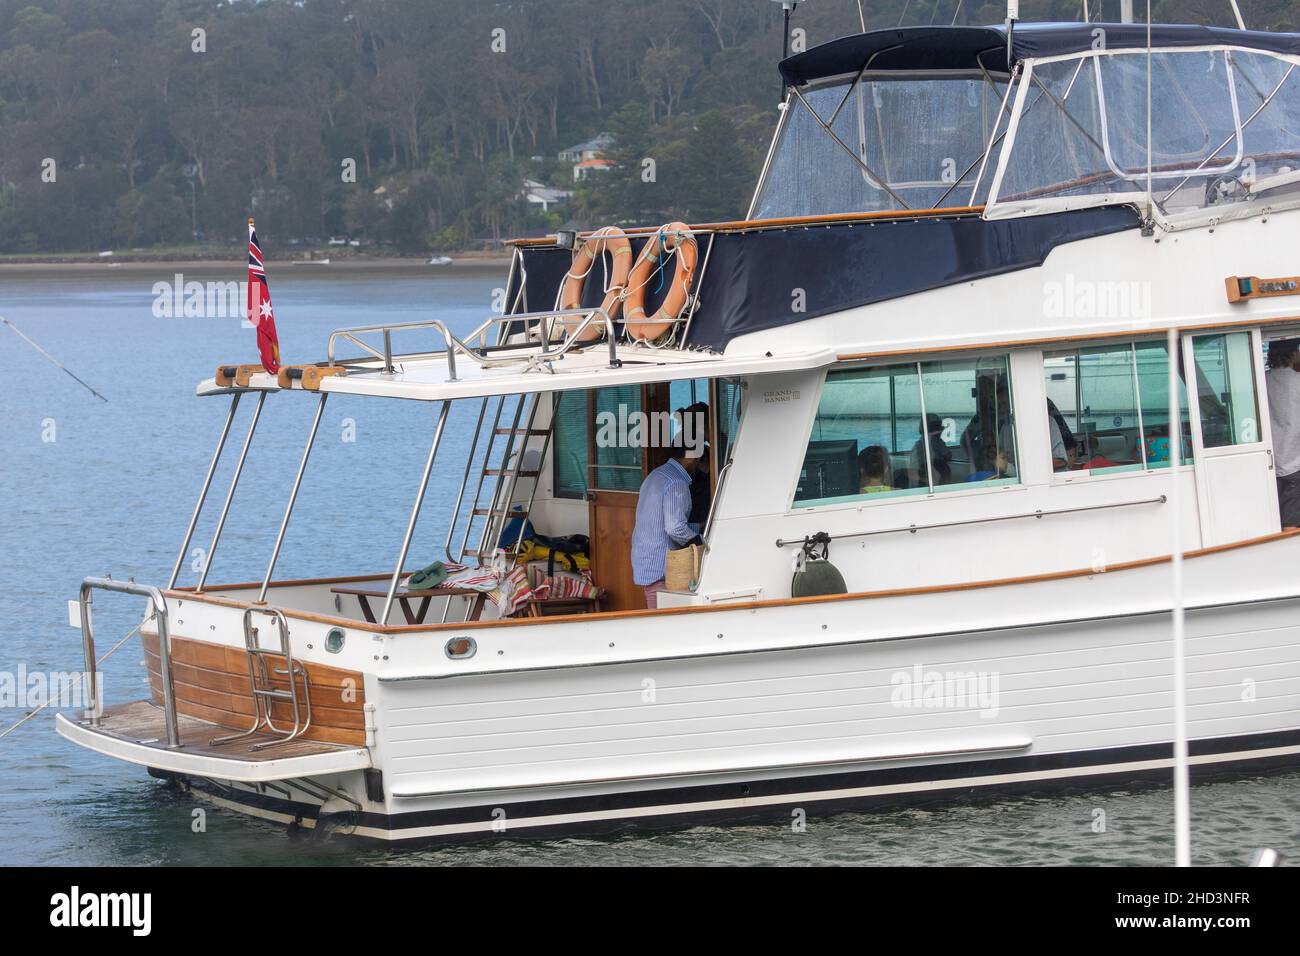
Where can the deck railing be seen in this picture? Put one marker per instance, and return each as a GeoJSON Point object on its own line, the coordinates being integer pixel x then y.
{"type": "Point", "coordinates": [484, 355]}
{"type": "Point", "coordinates": [164, 648]}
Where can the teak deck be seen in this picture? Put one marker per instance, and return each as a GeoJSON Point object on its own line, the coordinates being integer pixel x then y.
{"type": "Point", "coordinates": [142, 722]}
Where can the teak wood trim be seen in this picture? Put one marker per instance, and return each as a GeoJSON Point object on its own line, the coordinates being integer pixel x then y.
{"type": "Point", "coordinates": [1078, 337]}
{"type": "Point", "coordinates": [741, 225]}
{"type": "Point", "coordinates": [1261, 287]}
{"type": "Point", "coordinates": [749, 605]}
{"type": "Point", "coordinates": [210, 682]}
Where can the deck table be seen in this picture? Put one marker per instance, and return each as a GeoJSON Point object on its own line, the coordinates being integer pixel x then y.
{"type": "Point", "coordinates": [406, 595]}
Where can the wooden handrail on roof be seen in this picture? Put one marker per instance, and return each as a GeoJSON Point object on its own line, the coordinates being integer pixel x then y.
{"type": "Point", "coordinates": [744, 225]}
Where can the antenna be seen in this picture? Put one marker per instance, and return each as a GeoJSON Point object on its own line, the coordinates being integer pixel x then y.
{"type": "Point", "coordinates": [1013, 14]}
{"type": "Point", "coordinates": [787, 8]}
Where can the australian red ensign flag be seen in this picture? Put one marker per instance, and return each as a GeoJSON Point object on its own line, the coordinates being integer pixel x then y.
{"type": "Point", "coordinates": [260, 313]}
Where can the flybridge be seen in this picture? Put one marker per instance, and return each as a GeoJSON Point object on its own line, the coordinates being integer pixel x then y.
{"type": "Point", "coordinates": [937, 48]}
{"type": "Point", "coordinates": [1045, 118]}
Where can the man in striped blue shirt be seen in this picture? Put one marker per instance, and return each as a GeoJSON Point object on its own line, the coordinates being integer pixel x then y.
{"type": "Point", "coordinates": [661, 519]}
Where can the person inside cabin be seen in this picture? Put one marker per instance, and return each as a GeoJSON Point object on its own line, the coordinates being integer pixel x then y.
{"type": "Point", "coordinates": [875, 474]}
{"type": "Point", "coordinates": [992, 424]}
{"type": "Point", "coordinates": [694, 427]}
{"type": "Point", "coordinates": [992, 464]}
{"type": "Point", "coordinates": [1095, 458]}
{"type": "Point", "coordinates": [1282, 381]}
{"type": "Point", "coordinates": [1063, 441]}
{"type": "Point", "coordinates": [940, 455]}
{"type": "Point", "coordinates": [663, 513]}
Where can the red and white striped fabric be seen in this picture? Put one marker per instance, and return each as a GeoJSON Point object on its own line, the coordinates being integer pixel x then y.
{"type": "Point", "coordinates": [564, 584]}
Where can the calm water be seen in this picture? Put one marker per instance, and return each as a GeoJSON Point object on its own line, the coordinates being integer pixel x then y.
{"type": "Point", "coordinates": [88, 487]}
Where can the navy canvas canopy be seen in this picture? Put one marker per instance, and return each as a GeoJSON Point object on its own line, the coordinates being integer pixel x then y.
{"type": "Point", "coordinates": [969, 48]}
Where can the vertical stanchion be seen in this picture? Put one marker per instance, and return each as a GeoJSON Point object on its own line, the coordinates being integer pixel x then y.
{"type": "Point", "coordinates": [293, 496]}
{"type": "Point", "coordinates": [203, 494]}
{"type": "Point", "coordinates": [1182, 804]}
{"type": "Point", "coordinates": [230, 492]}
{"type": "Point", "coordinates": [415, 513]}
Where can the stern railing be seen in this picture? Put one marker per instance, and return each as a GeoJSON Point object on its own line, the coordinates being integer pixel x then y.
{"type": "Point", "coordinates": [159, 602]}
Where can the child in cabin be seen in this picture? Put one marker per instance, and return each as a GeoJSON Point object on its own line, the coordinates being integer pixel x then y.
{"type": "Point", "coordinates": [992, 464]}
{"type": "Point", "coordinates": [874, 470]}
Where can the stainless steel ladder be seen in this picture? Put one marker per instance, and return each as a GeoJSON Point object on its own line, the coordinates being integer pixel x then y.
{"type": "Point", "coordinates": [265, 694]}
{"type": "Point", "coordinates": [494, 501]}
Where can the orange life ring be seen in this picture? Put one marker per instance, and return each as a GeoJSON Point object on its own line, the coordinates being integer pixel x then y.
{"type": "Point", "coordinates": [673, 236]}
{"type": "Point", "coordinates": [610, 239]}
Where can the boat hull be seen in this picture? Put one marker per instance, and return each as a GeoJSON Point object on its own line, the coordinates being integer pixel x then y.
{"type": "Point", "coordinates": [799, 707]}
{"type": "Point", "coordinates": [787, 800]}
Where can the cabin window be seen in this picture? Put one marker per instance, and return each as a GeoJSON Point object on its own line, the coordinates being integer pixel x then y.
{"type": "Point", "coordinates": [1225, 388]}
{"type": "Point", "coordinates": [728, 395]}
{"type": "Point", "coordinates": [616, 465]}
{"type": "Point", "coordinates": [867, 444]}
{"type": "Point", "coordinates": [1223, 130]}
{"type": "Point", "coordinates": [899, 141]}
{"type": "Point", "coordinates": [569, 444]}
{"type": "Point", "coordinates": [1108, 408]}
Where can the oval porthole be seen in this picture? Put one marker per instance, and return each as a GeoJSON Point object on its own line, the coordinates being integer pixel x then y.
{"type": "Point", "coordinates": [459, 647]}
{"type": "Point", "coordinates": [334, 640]}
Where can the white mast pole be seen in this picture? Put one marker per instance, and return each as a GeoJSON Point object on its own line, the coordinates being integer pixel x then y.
{"type": "Point", "coordinates": [1182, 803]}
{"type": "Point", "coordinates": [1125, 11]}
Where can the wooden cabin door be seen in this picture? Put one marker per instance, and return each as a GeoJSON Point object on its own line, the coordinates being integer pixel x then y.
{"type": "Point", "coordinates": [613, 516]}
{"type": "Point", "coordinates": [615, 475]}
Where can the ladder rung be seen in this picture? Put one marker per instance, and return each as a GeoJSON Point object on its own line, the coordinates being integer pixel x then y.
{"type": "Point", "coordinates": [531, 432]}
{"type": "Point", "coordinates": [273, 694]}
{"type": "Point", "coordinates": [507, 472]}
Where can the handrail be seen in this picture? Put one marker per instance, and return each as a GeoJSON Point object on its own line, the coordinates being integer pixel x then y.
{"type": "Point", "coordinates": [713, 503]}
{"type": "Point", "coordinates": [415, 513]}
{"type": "Point", "coordinates": [164, 647]}
{"type": "Point", "coordinates": [913, 528]}
{"type": "Point", "coordinates": [480, 355]}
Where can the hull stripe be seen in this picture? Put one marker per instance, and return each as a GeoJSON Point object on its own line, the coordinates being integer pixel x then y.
{"type": "Point", "coordinates": [547, 817]}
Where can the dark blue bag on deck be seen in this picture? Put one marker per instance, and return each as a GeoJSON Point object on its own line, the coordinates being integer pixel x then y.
{"type": "Point", "coordinates": [510, 534]}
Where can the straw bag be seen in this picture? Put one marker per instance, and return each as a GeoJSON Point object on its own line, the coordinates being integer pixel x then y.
{"type": "Point", "coordinates": [682, 568]}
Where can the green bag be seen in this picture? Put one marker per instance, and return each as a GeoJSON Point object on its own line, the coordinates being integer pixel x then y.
{"type": "Point", "coordinates": [430, 577]}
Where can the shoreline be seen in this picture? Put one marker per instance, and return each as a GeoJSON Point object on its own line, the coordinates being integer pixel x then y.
{"type": "Point", "coordinates": [235, 268]}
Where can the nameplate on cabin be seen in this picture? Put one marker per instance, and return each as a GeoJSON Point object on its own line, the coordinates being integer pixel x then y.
{"type": "Point", "coordinates": [1241, 288]}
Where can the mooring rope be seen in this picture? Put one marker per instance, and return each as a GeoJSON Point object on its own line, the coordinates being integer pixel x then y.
{"type": "Point", "coordinates": [51, 359]}
{"type": "Point", "coordinates": [129, 634]}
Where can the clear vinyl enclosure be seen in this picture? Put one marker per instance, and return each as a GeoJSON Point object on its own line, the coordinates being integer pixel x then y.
{"type": "Point", "coordinates": [892, 141]}
{"type": "Point", "coordinates": [1224, 137]}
